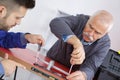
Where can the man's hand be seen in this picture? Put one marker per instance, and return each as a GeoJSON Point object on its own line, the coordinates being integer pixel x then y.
{"type": "Point", "coordinates": [34, 38]}
{"type": "Point", "coordinates": [10, 65]}
{"type": "Point", "coordinates": [78, 75]}
{"type": "Point", "coordinates": [78, 54]}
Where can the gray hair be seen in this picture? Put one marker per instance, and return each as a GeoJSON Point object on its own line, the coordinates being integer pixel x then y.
{"type": "Point", "coordinates": [105, 18]}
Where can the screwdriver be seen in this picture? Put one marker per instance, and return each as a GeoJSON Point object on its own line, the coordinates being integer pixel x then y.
{"type": "Point", "coordinates": [70, 69]}
{"type": "Point", "coordinates": [37, 55]}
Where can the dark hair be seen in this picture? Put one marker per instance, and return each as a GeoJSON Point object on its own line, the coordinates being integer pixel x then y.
{"type": "Point", "coordinates": [26, 3]}
{"type": "Point", "coordinates": [11, 3]}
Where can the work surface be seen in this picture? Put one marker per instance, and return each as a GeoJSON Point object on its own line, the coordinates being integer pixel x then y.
{"type": "Point", "coordinates": [28, 57]}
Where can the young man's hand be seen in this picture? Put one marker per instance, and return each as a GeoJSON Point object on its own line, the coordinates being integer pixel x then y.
{"type": "Point", "coordinates": [34, 39]}
{"type": "Point", "coordinates": [10, 65]}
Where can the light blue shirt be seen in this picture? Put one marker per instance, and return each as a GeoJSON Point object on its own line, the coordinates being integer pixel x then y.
{"type": "Point", "coordinates": [66, 37]}
{"type": "Point", "coordinates": [2, 72]}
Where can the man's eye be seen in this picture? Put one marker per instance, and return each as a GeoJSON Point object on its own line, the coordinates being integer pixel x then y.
{"type": "Point", "coordinates": [97, 33]}
{"type": "Point", "coordinates": [90, 27]}
{"type": "Point", "coordinates": [17, 18]}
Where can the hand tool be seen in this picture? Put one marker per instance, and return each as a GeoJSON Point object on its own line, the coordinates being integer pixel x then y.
{"type": "Point", "coordinates": [38, 51]}
{"type": "Point", "coordinates": [70, 69]}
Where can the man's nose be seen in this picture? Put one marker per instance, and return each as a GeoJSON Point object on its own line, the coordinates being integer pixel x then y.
{"type": "Point", "coordinates": [91, 33]}
{"type": "Point", "coordinates": [18, 22]}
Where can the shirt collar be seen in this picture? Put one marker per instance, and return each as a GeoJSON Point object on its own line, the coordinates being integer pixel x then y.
{"type": "Point", "coordinates": [86, 43]}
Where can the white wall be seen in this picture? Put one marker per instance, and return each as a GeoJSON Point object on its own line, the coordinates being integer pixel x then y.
{"type": "Point", "coordinates": [37, 20]}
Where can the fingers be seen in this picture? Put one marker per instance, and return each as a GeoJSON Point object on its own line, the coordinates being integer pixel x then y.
{"type": "Point", "coordinates": [41, 40]}
{"type": "Point", "coordinates": [76, 61]}
{"type": "Point", "coordinates": [6, 56]}
{"type": "Point", "coordinates": [20, 65]}
{"type": "Point", "coordinates": [75, 76]}
{"type": "Point", "coordinates": [77, 52]}
{"type": "Point", "coordinates": [16, 64]}
{"type": "Point", "coordinates": [35, 39]}
{"type": "Point", "coordinates": [77, 56]}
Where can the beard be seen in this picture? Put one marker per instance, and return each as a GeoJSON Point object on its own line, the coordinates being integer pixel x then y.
{"type": "Point", "coordinates": [3, 25]}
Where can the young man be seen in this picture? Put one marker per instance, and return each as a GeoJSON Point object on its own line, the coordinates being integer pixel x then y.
{"type": "Point", "coordinates": [83, 42]}
{"type": "Point", "coordinates": [11, 13]}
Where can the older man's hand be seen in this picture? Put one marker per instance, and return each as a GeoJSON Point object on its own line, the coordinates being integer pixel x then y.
{"type": "Point", "coordinates": [35, 39]}
{"type": "Point", "coordinates": [78, 54]}
{"type": "Point", "coordinates": [78, 75]}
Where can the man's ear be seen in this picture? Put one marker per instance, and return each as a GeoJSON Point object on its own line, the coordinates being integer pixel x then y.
{"type": "Point", "coordinates": [3, 11]}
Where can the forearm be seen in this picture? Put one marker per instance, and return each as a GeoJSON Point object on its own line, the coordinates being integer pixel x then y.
{"type": "Point", "coordinates": [73, 40]}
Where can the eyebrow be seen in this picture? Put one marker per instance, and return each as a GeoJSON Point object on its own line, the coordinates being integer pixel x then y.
{"type": "Point", "coordinates": [94, 29]}
{"type": "Point", "coordinates": [21, 17]}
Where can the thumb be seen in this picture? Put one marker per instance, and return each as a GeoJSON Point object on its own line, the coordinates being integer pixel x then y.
{"type": "Point", "coordinates": [20, 65]}
{"type": "Point", "coordinates": [6, 56]}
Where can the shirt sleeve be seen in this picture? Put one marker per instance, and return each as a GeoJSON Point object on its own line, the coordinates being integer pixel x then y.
{"type": "Point", "coordinates": [12, 40]}
{"type": "Point", "coordinates": [66, 37]}
{"type": "Point", "coordinates": [1, 70]}
{"type": "Point", "coordinates": [63, 26]}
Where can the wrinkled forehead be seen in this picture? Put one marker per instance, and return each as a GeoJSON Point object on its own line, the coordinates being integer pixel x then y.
{"type": "Point", "coordinates": [98, 25]}
{"type": "Point", "coordinates": [100, 22]}
{"type": "Point", "coordinates": [103, 18]}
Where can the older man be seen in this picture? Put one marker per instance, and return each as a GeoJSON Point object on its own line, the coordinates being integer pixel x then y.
{"type": "Point", "coordinates": [83, 42]}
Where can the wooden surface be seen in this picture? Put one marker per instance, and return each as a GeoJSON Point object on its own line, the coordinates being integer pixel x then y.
{"type": "Point", "coordinates": [28, 57]}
